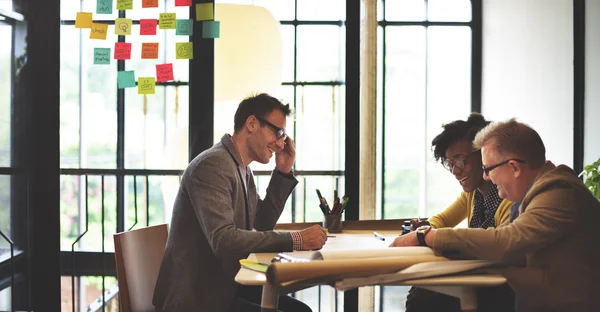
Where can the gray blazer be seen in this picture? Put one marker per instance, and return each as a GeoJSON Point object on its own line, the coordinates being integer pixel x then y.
{"type": "Point", "coordinates": [211, 230]}
{"type": "Point", "coordinates": [556, 233]}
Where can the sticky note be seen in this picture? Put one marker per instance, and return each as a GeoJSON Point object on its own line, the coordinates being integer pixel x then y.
{"type": "Point", "coordinates": [146, 85]}
{"type": "Point", "coordinates": [211, 29]}
{"type": "Point", "coordinates": [148, 26]}
{"type": "Point", "coordinates": [123, 26]}
{"type": "Point", "coordinates": [164, 72]}
{"type": "Point", "coordinates": [122, 51]}
{"type": "Point", "coordinates": [124, 4]}
{"type": "Point", "coordinates": [184, 50]}
{"type": "Point", "coordinates": [83, 20]}
{"type": "Point", "coordinates": [98, 31]}
{"type": "Point", "coordinates": [101, 56]}
{"type": "Point", "coordinates": [149, 50]}
{"type": "Point", "coordinates": [149, 3]}
{"type": "Point", "coordinates": [185, 27]}
{"type": "Point", "coordinates": [104, 6]}
{"type": "Point", "coordinates": [204, 12]}
{"type": "Point", "coordinates": [254, 266]}
{"type": "Point", "coordinates": [125, 79]}
{"type": "Point", "coordinates": [183, 2]}
{"type": "Point", "coordinates": [167, 21]}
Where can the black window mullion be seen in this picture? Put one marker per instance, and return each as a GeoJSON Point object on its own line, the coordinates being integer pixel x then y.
{"type": "Point", "coordinates": [476, 54]}
{"type": "Point", "coordinates": [120, 179]}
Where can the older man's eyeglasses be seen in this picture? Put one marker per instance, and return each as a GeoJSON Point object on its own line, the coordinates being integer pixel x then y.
{"type": "Point", "coordinates": [457, 161]}
{"type": "Point", "coordinates": [486, 170]}
{"type": "Point", "coordinates": [279, 133]}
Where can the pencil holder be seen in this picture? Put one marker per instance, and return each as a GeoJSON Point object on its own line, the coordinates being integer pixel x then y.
{"type": "Point", "coordinates": [333, 223]}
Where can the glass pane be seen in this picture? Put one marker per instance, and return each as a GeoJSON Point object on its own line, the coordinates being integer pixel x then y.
{"type": "Point", "coordinates": [5, 91]}
{"type": "Point", "coordinates": [287, 38]}
{"type": "Point", "coordinates": [405, 10]}
{"type": "Point", "coordinates": [448, 99]}
{"type": "Point", "coordinates": [282, 10]}
{"type": "Point", "coordinates": [89, 289]}
{"type": "Point", "coordinates": [394, 298]}
{"type": "Point", "coordinates": [404, 116]}
{"type": "Point", "coordinates": [449, 10]}
{"type": "Point", "coordinates": [5, 215]}
{"type": "Point", "coordinates": [321, 51]}
{"type": "Point", "coordinates": [320, 124]}
{"type": "Point", "coordinates": [88, 102]}
{"type": "Point", "coordinates": [314, 10]}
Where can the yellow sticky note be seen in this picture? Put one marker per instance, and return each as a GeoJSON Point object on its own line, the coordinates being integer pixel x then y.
{"type": "Point", "coordinates": [98, 31]}
{"type": "Point", "coordinates": [123, 26]}
{"type": "Point", "coordinates": [83, 20]}
{"type": "Point", "coordinates": [124, 4]}
{"type": "Point", "coordinates": [204, 12]}
{"type": "Point", "coordinates": [167, 21]}
{"type": "Point", "coordinates": [146, 85]}
{"type": "Point", "coordinates": [184, 50]}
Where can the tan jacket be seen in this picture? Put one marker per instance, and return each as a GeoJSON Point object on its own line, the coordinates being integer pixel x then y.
{"type": "Point", "coordinates": [555, 233]}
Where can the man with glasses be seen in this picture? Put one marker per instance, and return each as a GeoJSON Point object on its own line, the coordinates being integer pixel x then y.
{"type": "Point", "coordinates": [554, 232]}
{"type": "Point", "coordinates": [478, 203]}
{"type": "Point", "coordinates": [218, 217]}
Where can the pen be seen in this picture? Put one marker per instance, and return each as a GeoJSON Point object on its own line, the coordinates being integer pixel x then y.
{"type": "Point", "coordinates": [378, 236]}
{"type": "Point", "coordinates": [322, 203]}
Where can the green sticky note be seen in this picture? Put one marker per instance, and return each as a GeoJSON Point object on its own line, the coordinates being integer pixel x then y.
{"type": "Point", "coordinates": [125, 79]}
{"type": "Point", "coordinates": [102, 56]}
{"type": "Point", "coordinates": [124, 4]}
{"type": "Point", "coordinates": [104, 6]}
{"type": "Point", "coordinates": [204, 12]}
{"type": "Point", "coordinates": [254, 266]}
{"type": "Point", "coordinates": [211, 29]}
{"type": "Point", "coordinates": [185, 27]}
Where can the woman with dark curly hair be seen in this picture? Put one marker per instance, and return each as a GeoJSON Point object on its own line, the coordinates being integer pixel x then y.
{"type": "Point", "coordinates": [479, 203]}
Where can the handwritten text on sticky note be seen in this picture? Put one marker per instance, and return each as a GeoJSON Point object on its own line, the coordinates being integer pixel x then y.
{"type": "Point", "coordinates": [124, 4]}
{"type": "Point", "coordinates": [104, 6]}
{"type": "Point", "coordinates": [204, 12]}
{"type": "Point", "coordinates": [184, 50]}
{"type": "Point", "coordinates": [167, 21]}
{"type": "Point", "coordinates": [146, 85]}
{"type": "Point", "coordinates": [164, 72]}
{"type": "Point", "coordinates": [125, 79]}
{"type": "Point", "coordinates": [83, 20]}
{"type": "Point", "coordinates": [102, 56]}
{"type": "Point", "coordinates": [98, 31]}
{"type": "Point", "coordinates": [123, 26]}
{"type": "Point", "coordinates": [149, 50]}
{"type": "Point", "coordinates": [148, 26]}
{"type": "Point", "coordinates": [149, 3]}
{"type": "Point", "coordinates": [185, 27]}
{"type": "Point", "coordinates": [122, 51]}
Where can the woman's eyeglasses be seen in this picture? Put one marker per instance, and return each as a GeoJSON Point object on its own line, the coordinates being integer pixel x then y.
{"type": "Point", "coordinates": [279, 133]}
{"type": "Point", "coordinates": [457, 161]}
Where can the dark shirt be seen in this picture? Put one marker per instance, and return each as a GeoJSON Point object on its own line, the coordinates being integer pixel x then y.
{"type": "Point", "coordinates": [485, 208]}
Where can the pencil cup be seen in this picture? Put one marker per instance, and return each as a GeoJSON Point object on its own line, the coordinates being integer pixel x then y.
{"type": "Point", "coordinates": [333, 223]}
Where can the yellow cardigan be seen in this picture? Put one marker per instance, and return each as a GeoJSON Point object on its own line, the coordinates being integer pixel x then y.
{"type": "Point", "coordinates": [463, 208]}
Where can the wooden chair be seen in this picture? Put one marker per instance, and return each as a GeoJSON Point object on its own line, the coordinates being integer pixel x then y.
{"type": "Point", "coordinates": [138, 254]}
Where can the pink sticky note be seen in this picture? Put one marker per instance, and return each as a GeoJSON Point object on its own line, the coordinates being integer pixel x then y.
{"type": "Point", "coordinates": [148, 26]}
{"type": "Point", "coordinates": [122, 51]}
{"type": "Point", "coordinates": [164, 72]}
{"type": "Point", "coordinates": [183, 2]}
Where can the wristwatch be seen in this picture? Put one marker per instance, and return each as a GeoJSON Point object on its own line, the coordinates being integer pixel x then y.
{"type": "Point", "coordinates": [421, 232]}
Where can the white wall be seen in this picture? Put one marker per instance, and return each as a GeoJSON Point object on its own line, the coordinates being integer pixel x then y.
{"type": "Point", "coordinates": [592, 82]}
{"type": "Point", "coordinates": [528, 68]}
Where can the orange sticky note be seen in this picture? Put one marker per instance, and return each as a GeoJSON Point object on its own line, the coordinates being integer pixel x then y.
{"type": "Point", "coordinates": [149, 50]}
{"type": "Point", "coordinates": [204, 12]}
{"type": "Point", "coordinates": [122, 51]}
{"type": "Point", "coordinates": [164, 72]}
{"type": "Point", "coordinates": [123, 26]}
{"type": "Point", "coordinates": [149, 3]}
{"type": "Point", "coordinates": [167, 21]}
{"type": "Point", "coordinates": [184, 51]}
{"type": "Point", "coordinates": [83, 20]}
{"type": "Point", "coordinates": [98, 31]}
{"type": "Point", "coordinates": [146, 85]}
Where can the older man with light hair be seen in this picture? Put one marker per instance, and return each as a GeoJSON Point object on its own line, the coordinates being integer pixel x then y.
{"type": "Point", "coordinates": [554, 232]}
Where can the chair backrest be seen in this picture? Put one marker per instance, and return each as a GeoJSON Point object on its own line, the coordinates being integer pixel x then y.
{"type": "Point", "coordinates": [138, 255]}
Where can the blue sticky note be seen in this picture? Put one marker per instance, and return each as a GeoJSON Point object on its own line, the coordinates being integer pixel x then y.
{"type": "Point", "coordinates": [102, 56]}
{"type": "Point", "coordinates": [125, 79]}
{"type": "Point", "coordinates": [104, 6]}
{"type": "Point", "coordinates": [185, 27]}
{"type": "Point", "coordinates": [211, 29]}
